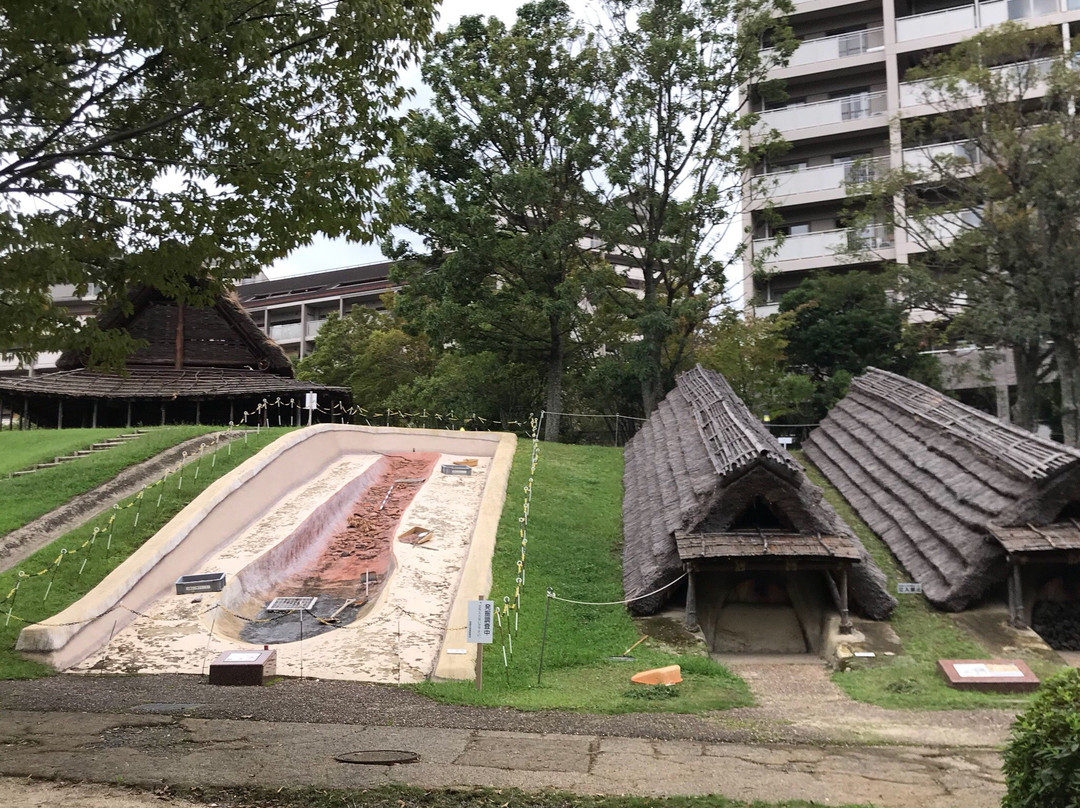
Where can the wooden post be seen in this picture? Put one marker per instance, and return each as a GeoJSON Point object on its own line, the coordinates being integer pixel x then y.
{"type": "Point", "coordinates": [480, 661]}
{"type": "Point", "coordinates": [163, 413]}
{"type": "Point", "coordinates": [25, 422]}
{"type": "Point", "coordinates": [129, 414]}
{"type": "Point", "coordinates": [93, 416]}
{"type": "Point", "coordinates": [1018, 586]}
{"type": "Point", "coordinates": [1011, 586]}
{"type": "Point", "coordinates": [198, 412]}
{"type": "Point", "coordinates": [691, 601]}
{"type": "Point", "coordinates": [178, 359]}
{"type": "Point", "coordinates": [232, 404]}
{"type": "Point", "coordinates": [60, 413]}
{"type": "Point", "coordinates": [846, 626]}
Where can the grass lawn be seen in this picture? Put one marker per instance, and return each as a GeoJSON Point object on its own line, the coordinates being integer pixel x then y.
{"type": "Point", "coordinates": [911, 680]}
{"type": "Point", "coordinates": [399, 796]}
{"type": "Point", "coordinates": [23, 499]}
{"type": "Point", "coordinates": [21, 450]}
{"type": "Point", "coordinates": [35, 601]}
{"type": "Point", "coordinates": [575, 547]}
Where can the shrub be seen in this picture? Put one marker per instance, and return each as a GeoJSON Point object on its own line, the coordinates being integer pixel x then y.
{"type": "Point", "coordinates": [1042, 760]}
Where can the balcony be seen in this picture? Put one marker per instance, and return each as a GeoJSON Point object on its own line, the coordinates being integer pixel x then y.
{"type": "Point", "coordinates": [823, 248]}
{"type": "Point", "coordinates": [924, 158]}
{"type": "Point", "coordinates": [821, 180]}
{"type": "Point", "coordinates": [287, 332]}
{"type": "Point", "coordinates": [1025, 75]}
{"type": "Point", "coordinates": [940, 230]}
{"type": "Point", "coordinates": [842, 46]}
{"type": "Point", "coordinates": [794, 117]}
{"type": "Point", "coordinates": [979, 15]}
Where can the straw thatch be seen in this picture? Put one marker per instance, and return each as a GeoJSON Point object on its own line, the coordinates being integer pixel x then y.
{"type": "Point", "coordinates": [700, 464]}
{"type": "Point", "coordinates": [930, 475]}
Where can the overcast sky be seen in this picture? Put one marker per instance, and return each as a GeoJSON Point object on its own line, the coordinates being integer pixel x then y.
{"type": "Point", "coordinates": [327, 253]}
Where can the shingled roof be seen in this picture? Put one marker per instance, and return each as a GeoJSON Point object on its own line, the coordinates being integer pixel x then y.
{"type": "Point", "coordinates": [696, 466]}
{"type": "Point", "coordinates": [933, 477]}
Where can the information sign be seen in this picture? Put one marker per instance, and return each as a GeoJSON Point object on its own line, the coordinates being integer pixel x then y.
{"type": "Point", "coordinates": [480, 624]}
{"type": "Point", "coordinates": [908, 589]}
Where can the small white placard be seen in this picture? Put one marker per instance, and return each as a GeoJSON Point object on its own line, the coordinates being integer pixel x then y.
{"type": "Point", "coordinates": [457, 650]}
{"type": "Point", "coordinates": [480, 623]}
{"type": "Point", "coordinates": [908, 589]}
{"type": "Point", "coordinates": [244, 656]}
{"type": "Point", "coordinates": [865, 654]}
{"type": "Point", "coordinates": [785, 441]}
{"type": "Point", "coordinates": [979, 670]}
{"type": "Point", "coordinates": [311, 401]}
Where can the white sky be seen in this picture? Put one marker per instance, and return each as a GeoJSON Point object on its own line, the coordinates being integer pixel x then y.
{"type": "Point", "coordinates": [325, 253]}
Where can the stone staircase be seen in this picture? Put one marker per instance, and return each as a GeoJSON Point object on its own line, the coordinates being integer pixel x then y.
{"type": "Point", "coordinates": [103, 446]}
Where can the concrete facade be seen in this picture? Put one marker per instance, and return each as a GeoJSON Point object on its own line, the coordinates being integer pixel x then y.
{"type": "Point", "coordinates": [848, 91]}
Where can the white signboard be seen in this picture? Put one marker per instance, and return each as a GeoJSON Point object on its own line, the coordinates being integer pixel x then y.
{"type": "Point", "coordinates": [971, 670]}
{"type": "Point", "coordinates": [244, 656]}
{"type": "Point", "coordinates": [481, 619]}
{"type": "Point", "coordinates": [908, 589]}
{"type": "Point", "coordinates": [311, 401]}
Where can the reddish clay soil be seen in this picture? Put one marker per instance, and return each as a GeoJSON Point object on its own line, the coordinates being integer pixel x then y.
{"type": "Point", "coordinates": [366, 544]}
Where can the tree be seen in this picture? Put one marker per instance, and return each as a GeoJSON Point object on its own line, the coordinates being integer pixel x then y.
{"type": "Point", "coordinates": [750, 352]}
{"type": "Point", "coordinates": [996, 209]}
{"type": "Point", "coordinates": [368, 352]}
{"type": "Point", "coordinates": [499, 189]}
{"type": "Point", "coordinates": [676, 162]}
{"type": "Point", "coordinates": [143, 143]}
{"type": "Point", "coordinates": [841, 324]}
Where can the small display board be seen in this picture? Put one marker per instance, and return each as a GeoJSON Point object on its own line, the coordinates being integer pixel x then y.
{"type": "Point", "coordinates": [456, 469]}
{"type": "Point", "coordinates": [294, 604]}
{"type": "Point", "coordinates": [311, 401]}
{"type": "Point", "coordinates": [480, 624]}
{"type": "Point", "coordinates": [202, 582]}
{"type": "Point", "coordinates": [904, 588]}
{"type": "Point", "coordinates": [998, 675]}
{"type": "Point", "coordinates": [243, 667]}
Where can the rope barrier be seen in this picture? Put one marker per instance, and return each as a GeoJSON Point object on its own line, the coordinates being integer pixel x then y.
{"type": "Point", "coordinates": [553, 596]}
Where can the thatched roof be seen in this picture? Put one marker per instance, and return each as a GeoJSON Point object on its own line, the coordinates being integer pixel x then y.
{"type": "Point", "coordinates": [929, 475]}
{"type": "Point", "coordinates": [701, 464]}
{"type": "Point", "coordinates": [222, 335]}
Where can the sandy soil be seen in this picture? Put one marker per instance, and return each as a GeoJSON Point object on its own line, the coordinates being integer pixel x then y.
{"type": "Point", "coordinates": [398, 641]}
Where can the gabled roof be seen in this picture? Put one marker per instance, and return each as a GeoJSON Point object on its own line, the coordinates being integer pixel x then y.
{"type": "Point", "coordinates": [929, 475]}
{"type": "Point", "coordinates": [695, 467]}
{"type": "Point", "coordinates": [222, 335]}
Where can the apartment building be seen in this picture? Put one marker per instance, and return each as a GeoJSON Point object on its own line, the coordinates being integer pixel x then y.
{"type": "Point", "coordinates": [848, 88]}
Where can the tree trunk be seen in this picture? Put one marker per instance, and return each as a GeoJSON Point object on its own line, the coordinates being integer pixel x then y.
{"type": "Point", "coordinates": [553, 405]}
{"type": "Point", "coordinates": [1067, 354]}
{"type": "Point", "coordinates": [1027, 358]}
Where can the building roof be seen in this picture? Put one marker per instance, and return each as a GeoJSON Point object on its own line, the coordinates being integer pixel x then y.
{"type": "Point", "coordinates": [929, 475]}
{"type": "Point", "coordinates": [316, 284]}
{"type": "Point", "coordinates": [161, 382]}
{"type": "Point", "coordinates": [699, 464]}
{"type": "Point", "coordinates": [764, 544]}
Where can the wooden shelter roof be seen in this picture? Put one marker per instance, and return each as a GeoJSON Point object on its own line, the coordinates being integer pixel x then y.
{"type": "Point", "coordinates": [762, 544]}
{"type": "Point", "coordinates": [160, 382]}
{"type": "Point", "coordinates": [699, 464]}
{"type": "Point", "coordinates": [1060, 537]}
{"type": "Point", "coordinates": [929, 475]}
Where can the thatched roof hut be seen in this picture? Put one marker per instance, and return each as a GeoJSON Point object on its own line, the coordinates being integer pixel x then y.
{"type": "Point", "coordinates": [203, 364]}
{"type": "Point", "coordinates": [938, 480]}
{"type": "Point", "coordinates": [708, 488]}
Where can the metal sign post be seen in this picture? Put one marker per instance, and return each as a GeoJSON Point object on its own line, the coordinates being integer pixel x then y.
{"type": "Point", "coordinates": [480, 629]}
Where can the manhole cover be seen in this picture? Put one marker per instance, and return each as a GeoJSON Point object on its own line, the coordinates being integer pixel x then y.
{"type": "Point", "coordinates": [291, 604]}
{"type": "Point", "coordinates": [378, 757]}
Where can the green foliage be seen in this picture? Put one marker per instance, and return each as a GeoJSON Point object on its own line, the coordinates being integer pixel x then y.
{"type": "Point", "coordinates": [20, 450]}
{"type": "Point", "coordinates": [151, 144]}
{"type": "Point", "coordinates": [23, 499]}
{"type": "Point", "coordinates": [1042, 760]}
{"type": "Point", "coordinates": [68, 585]}
{"type": "Point", "coordinates": [841, 324]}
{"type": "Point", "coordinates": [575, 537]}
{"type": "Point", "coordinates": [368, 352]}
{"type": "Point", "coordinates": [750, 352]}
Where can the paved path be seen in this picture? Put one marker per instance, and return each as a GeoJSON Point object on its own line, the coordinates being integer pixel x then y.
{"type": "Point", "coordinates": [152, 749]}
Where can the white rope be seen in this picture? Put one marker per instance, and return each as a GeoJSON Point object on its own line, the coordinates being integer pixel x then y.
{"type": "Point", "coordinates": [620, 602]}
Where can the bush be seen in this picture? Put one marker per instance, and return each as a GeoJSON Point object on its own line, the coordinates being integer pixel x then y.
{"type": "Point", "coordinates": [1042, 760]}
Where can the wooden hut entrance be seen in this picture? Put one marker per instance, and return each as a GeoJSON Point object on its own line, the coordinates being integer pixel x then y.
{"type": "Point", "coordinates": [765, 591]}
{"type": "Point", "coordinates": [1044, 580]}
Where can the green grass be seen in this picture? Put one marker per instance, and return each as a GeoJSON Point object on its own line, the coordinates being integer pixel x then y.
{"type": "Point", "coordinates": [23, 499]}
{"type": "Point", "coordinates": [401, 796]}
{"type": "Point", "coordinates": [911, 680]}
{"type": "Point", "coordinates": [21, 450]}
{"type": "Point", "coordinates": [575, 547]}
{"type": "Point", "coordinates": [29, 604]}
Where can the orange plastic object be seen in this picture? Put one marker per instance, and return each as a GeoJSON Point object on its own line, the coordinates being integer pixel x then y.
{"type": "Point", "coordinates": [670, 675]}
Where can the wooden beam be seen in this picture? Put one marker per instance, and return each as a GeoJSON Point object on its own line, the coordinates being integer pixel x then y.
{"type": "Point", "coordinates": [1018, 585]}
{"type": "Point", "coordinates": [691, 601]}
{"type": "Point", "coordinates": [93, 416]}
{"type": "Point", "coordinates": [129, 414]}
{"type": "Point", "coordinates": [178, 359]}
{"type": "Point", "coordinates": [1011, 587]}
{"type": "Point", "coordinates": [846, 626]}
{"type": "Point", "coordinates": [60, 413]}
